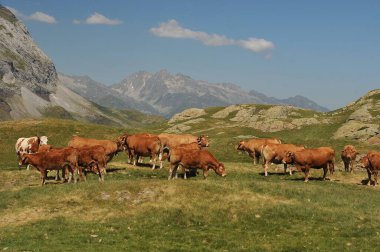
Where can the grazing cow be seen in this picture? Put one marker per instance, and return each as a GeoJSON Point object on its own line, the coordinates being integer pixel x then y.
{"type": "Point", "coordinates": [322, 157]}
{"type": "Point", "coordinates": [348, 156]}
{"type": "Point", "coordinates": [371, 162]}
{"type": "Point", "coordinates": [276, 153]}
{"type": "Point", "coordinates": [46, 148]}
{"type": "Point", "coordinates": [196, 159]}
{"type": "Point", "coordinates": [254, 146]}
{"type": "Point", "coordinates": [111, 147]}
{"type": "Point", "coordinates": [53, 160]}
{"type": "Point", "coordinates": [173, 140]}
{"type": "Point", "coordinates": [190, 146]}
{"type": "Point", "coordinates": [144, 145]}
{"type": "Point", "coordinates": [29, 145]}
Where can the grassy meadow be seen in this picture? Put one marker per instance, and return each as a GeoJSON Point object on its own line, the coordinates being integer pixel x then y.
{"type": "Point", "coordinates": [139, 209]}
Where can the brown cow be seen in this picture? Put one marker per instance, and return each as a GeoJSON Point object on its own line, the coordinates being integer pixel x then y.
{"type": "Point", "coordinates": [254, 146]}
{"type": "Point", "coordinates": [197, 159]}
{"type": "Point", "coordinates": [348, 156]}
{"type": "Point", "coordinates": [276, 153]}
{"type": "Point", "coordinates": [111, 147]}
{"type": "Point", "coordinates": [322, 157]}
{"type": "Point", "coordinates": [371, 162]}
{"type": "Point", "coordinates": [144, 145]}
{"type": "Point", "coordinates": [53, 160]}
{"type": "Point", "coordinates": [190, 146]}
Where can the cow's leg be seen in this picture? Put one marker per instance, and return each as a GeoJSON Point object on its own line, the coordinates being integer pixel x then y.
{"type": "Point", "coordinates": [43, 176]}
{"type": "Point", "coordinates": [172, 171]}
{"type": "Point", "coordinates": [324, 172]}
{"type": "Point", "coordinates": [375, 177]}
{"type": "Point", "coordinates": [266, 167]}
{"type": "Point", "coordinates": [205, 171]}
{"type": "Point", "coordinates": [290, 169]}
{"type": "Point", "coordinates": [255, 158]}
{"type": "Point", "coordinates": [306, 171]}
{"type": "Point", "coordinates": [154, 160]}
{"type": "Point", "coordinates": [352, 165]}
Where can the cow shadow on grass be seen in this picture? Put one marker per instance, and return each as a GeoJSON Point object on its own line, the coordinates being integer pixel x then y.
{"type": "Point", "coordinates": [113, 169]}
{"type": "Point", "coordinates": [312, 179]}
{"type": "Point", "coordinates": [274, 173]}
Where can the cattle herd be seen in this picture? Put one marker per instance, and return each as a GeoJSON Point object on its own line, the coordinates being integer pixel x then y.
{"type": "Point", "coordinates": [187, 151]}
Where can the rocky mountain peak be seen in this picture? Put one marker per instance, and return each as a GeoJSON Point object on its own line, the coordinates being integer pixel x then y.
{"type": "Point", "coordinates": [22, 63]}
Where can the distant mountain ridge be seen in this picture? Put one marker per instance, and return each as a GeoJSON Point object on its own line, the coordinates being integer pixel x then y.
{"type": "Point", "coordinates": [166, 94]}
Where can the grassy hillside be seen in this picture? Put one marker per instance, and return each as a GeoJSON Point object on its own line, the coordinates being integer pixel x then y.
{"type": "Point", "coordinates": [138, 209]}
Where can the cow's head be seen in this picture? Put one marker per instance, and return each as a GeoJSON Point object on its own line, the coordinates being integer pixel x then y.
{"type": "Point", "coordinates": [121, 142]}
{"type": "Point", "coordinates": [43, 140]}
{"type": "Point", "coordinates": [220, 170]}
{"type": "Point", "coordinates": [364, 162]}
{"type": "Point", "coordinates": [240, 146]}
{"type": "Point", "coordinates": [203, 141]}
{"type": "Point", "coordinates": [289, 157]}
{"type": "Point", "coordinates": [23, 159]}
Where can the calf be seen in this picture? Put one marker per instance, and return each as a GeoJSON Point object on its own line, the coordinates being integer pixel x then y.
{"type": "Point", "coordinates": [276, 153]}
{"type": "Point", "coordinates": [254, 146]}
{"type": "Point", "coordinates": [371, 162]}
{"type": "Point", "coordinates": [29, 145]}
{"type": "Point", "coordinates": [53, 160]}
{"type": "Point", "coordinates": [348, 156]}
{"type": "Point", "coordinates": [197, 159]}
{"type": "Point", "coordinates": [323, 157]}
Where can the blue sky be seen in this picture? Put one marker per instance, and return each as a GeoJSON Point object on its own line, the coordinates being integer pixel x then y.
{"type": "Point", "coordinates": [328, 51]}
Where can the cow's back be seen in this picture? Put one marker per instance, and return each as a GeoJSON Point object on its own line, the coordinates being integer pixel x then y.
{"type": "Point", "coordinates": [173, 140]}
{"type": "Point", "coordinates": [80, 142]}
{"type": "Point", "coordinates": [316, 156]}
{"type": "Point", "coordinates": [374, 160]}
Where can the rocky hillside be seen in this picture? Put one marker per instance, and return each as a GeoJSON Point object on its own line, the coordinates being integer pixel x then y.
{"type": "Point", "coordinates": [30, 88]}
{"type": "Point", "coordinates": [166, 94]}
{"type": "Point", "coordinates": [22, 63]}
{"type": "Point", "coordinates": [358, 121]}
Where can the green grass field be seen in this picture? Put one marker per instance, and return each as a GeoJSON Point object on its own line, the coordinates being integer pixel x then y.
{"type": "Point", "coordinates": [139, 209]}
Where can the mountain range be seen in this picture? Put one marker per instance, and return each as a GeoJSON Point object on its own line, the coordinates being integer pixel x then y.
{"type": "Point", "coordinates": [167, 94]}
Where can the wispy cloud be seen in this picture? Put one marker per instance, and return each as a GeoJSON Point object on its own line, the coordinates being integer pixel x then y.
{"type": "Point", "coordinates": [43, 17]}
{"type": "Point", "coordinates": [172, 29]}
{"type": "Point", "coordinates": [36, 16]}
{"type": "Point", "coordinates": [97, 18]}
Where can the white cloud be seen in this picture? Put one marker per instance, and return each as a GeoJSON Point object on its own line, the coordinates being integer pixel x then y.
{"type": "Point", "coordinates": [43, 17]}
{"type": "Point", "coordinates": [36, 16]}
{"type": "Point", "coordinates": [172, 29]}
{"type": "Point", "coordinates": [98, 18]}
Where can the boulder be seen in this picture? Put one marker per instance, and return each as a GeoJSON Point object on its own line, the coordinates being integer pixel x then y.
{"type": "Point", "coordinates": [357, 130]}
{"type": "Point", "coordinates": [226, 111]}
{"type": "Point", "coordinates": [187, 114]}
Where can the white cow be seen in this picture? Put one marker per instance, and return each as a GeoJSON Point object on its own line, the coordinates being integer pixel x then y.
{"type": "Point", "coordinates": [29, 145]}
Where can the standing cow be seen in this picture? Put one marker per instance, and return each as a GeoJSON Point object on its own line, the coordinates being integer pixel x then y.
{"type": "Point", "coordinates": [276, 153]}
{"type": "Point", "coordinates": [143, 145]}
{"type": "Point", "coordinates": [348, 156]}
{"type": "Point", "coordinates": [254, 146]}
{"type": "Point", "coordinates": [371, 162]}
{"type": "Point", "coordinates": [57, 159]}
{"type": "Point", "coordinates": [29, 145]}
{"type": "Point", "coordinates": [322, 157]}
